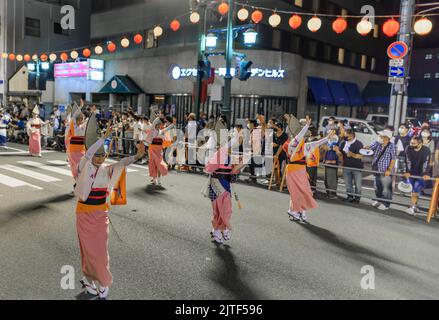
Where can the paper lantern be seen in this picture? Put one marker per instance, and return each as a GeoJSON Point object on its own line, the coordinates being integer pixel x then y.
{"type": "Point", "coordinates": [111, 47]}
{"type": "Point", "coordinates": [11, 57]}
{"type": "Point", "coordinates": [5, 55]}
{"type": "Point", "coordinates": [257, 16]}
{"type": "Point", "coordinates": [314, 24]}
{"type": "Point", "coordinates": [175, 25]}
{"type": "Point", "coordinates": [44, 57]}
{"type": "Point", "coordinates": [364, 27]}
{"type": "Point", "coordinates": [125, 43]}
{"type": "Point", "coordinates": [64, 56]}
{"type": "Point", "coordinates": [158, 31]}
{"type": "Point", "coordinates": [194, 17]}
{"type": "Point", "coordinates": [74, 54]}
{"type": "Point", "coordinates": [243, 14]}
{"type": "Point", "coordinates": [53, 57]}
{"type": "Point", "coordinates": [223, 8]}
{"type": "Point", "coordinates": [86, 53]}
{"type": "Point", "coordinates": [391, 27]}
{"type": "Point", "coordinates": [19, 58]}
{"type": "Point", "coordinates": [339, 25]}
{"type": "Point", "coordinates": [99, 50]}
{"type": "Point", "coordinates": [274, 20]}
{"type": "Point", "coordinates": [27, 57]}
{"type": "Point", "coordinates": [138, 38]}
{"type": "Point", "coordinates": [35, 57]}
{"type": "Point", "coordinates": [423, 26]}
{"type": "Point", "coordinates": [295, 21]}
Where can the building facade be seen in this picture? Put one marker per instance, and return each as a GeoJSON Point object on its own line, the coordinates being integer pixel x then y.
{"type": "Point", "coordinates": [34, 27]}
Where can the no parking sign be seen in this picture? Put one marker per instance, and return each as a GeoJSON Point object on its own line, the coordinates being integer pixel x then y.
{"type": "Point", "coordinates": [397, 50]}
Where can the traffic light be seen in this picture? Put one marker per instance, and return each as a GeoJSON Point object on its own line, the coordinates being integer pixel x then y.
{"type": "Point", "coordinates": [205, 69]}
{"type": "Point", "coordinates": [244, 73]}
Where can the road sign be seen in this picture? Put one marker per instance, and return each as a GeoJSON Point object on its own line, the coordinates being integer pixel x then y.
{"type": "Point", "coordinates": [397, 72]}
{"type": "Point", "coordinates": [396, 63]}
{"type": "Point", "coordinates": [397, 50]}
{"type": "Point", "coordinates": [394, 80]}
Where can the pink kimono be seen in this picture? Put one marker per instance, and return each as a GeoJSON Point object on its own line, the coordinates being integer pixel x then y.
{"type": "Point", "coordinates": [34, 132]}
{"type": "Point", "coordinates": [92, 189]}
{"type": "Point", "coordinates": [220, 193]}
{"type": "Point", "coordinates": [297, 178]}
{"type": "Point", "coordinates": [156, 162]}
{"type": "Point", "coordinates": [76, 145]}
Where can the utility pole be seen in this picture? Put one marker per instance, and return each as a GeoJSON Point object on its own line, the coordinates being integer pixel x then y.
{"type": "Point", "coordinates": [399, 94]}
{"type": "Point", "coordinates": [227, 101]}
{"type": "Point", "coordinates": [202, 9]}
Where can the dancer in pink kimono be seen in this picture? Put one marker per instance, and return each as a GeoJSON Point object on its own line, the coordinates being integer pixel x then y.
{"type": "Point", "coordinates": [95, 182]}
{"type": "Point", "coordinates": [157, 166]}
{"type": "Point", "coordinates": [221, 175]}
{"type": "Point", "coordinates": [301, 194]}
{"type": "Point", "coordinates": [33, 127]}
{"type": "Point", "coordinates": [76, 145]}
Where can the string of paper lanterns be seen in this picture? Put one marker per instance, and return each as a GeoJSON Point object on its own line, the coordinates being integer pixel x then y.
{"type": "Point", "coordinates": [390, 28]}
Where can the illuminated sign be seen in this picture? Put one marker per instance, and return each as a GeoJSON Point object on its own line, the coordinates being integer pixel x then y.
{"type": "Point", "coordinates": [178, 73]}
{"type": "Point", "coordinates": [92, 69]}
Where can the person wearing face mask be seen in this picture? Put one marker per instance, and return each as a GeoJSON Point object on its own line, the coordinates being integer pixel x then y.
{"type": "Point", "coordinates": [332, 125]}
{"type": "Point", "coordinates": [417, 164]}
{"type": "Point", "coordinates": [352, 165]}
{"type": "Point", "coordinates": [331, 159]}
{"type": "Point", "coordinates": [402, 141]}
{"type": "Point", "coordinates": [383, 163]}
{"type": "Point", "coordinates": [96, 181]}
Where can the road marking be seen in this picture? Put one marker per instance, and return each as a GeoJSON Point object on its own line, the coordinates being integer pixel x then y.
{"type": "Point", "coordinates": [60, 171]}
{"type": "Point", "coordinates": [58, 163]}
{"type": "Point", "coordinates": [29, 173]}
{"type": "Point", "coordinates": [15, 183]}
{"type": "Point", "coordinates": [128, 170]}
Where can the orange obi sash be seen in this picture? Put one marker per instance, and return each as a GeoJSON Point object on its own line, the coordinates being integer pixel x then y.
{"type": "Point", "coordinates": [77, 144]}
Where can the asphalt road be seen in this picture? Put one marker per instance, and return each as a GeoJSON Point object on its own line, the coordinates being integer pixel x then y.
{"type": "Point", "coordinates": [167, 252]}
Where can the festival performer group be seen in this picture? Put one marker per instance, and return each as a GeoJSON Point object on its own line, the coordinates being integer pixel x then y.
{"type": "Point", "coordinates": [99, 185]}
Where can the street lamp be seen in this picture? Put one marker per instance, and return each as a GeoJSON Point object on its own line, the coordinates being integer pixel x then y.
{"type": "Point", "coordinates": [211, 40]}
{"type": "Point", "coordinates": [250, 37]}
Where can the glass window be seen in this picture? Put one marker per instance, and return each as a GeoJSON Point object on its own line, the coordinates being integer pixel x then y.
{"type": "Point", "coordinates": [32, 27]}
{"type": "Point", "coordinates": [373, 64]}
{"type": "Point", "coordinates": [341, 55]}
{"type": "Point", "coordinates": [428, 56]}
{"type": "Point", "coordinates": [363, 62]}
{"type": "Point", "coordinates": [427, 76]}
{"type": "Point", "coordinates": [436, 75]}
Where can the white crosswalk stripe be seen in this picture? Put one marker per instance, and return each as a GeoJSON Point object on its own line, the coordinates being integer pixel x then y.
{"type": "Point", "coordinates": [128, 170]}
{"type": "Point", "coordinates": [46, 172]}
{"type": "Point", "coordinates": [29, 173]}
{"type": "Point", "coordinates": [15, 183]}
{"type": "Point", "coordinates": [52, 169]}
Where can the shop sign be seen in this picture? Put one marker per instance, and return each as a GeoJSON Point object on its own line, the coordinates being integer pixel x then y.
{"type": "Point", "coordinates": [178, 73]}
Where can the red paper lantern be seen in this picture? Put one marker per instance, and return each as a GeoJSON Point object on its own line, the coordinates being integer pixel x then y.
{"type": "Point", "coordinates": [223, 8]}
{"type": "Point", "coordinates": [11, 56]}
{"type": "Point", "coordinates": [175, 25]}
{"type": "Point", "coordinates": [391, 27]}
{"type": "Point", "coordinates": [257, 16]}
{"type": "Point", "coordinates": [339, 25]}
{"type": "Point", "coordinates": [111, 47]}
{"type": "Point", "coordinates": [44, 57]}
{"type": "Point", "coordinates": [86, 53]}
{"type": "Point", "coordinates": [138, 38]}
{"type": "Point", "coordinates": [295, 21]}
{"type": "Point", "coordinates": [64, 56]}
{"type": "Point", "coordinates": [27, 57]}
